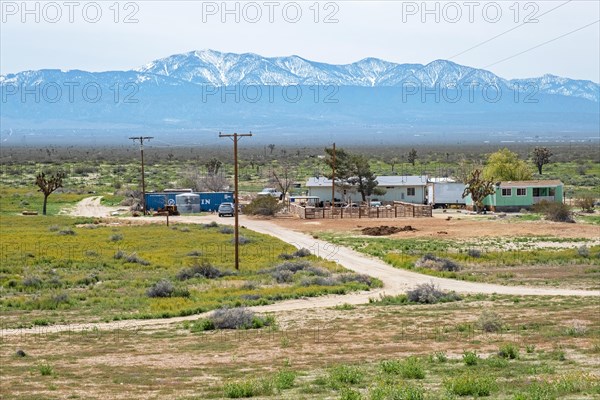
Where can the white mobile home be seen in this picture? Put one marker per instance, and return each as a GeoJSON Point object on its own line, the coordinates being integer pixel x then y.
{"type": "Point", "coordinates": [410, 189]}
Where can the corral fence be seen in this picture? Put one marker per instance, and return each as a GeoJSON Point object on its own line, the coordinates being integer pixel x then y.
{"type": "Point", "coordinates": [398, 209]}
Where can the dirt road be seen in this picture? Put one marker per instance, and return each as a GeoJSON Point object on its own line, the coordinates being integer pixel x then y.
{"type": "Point", "coordinates": [91, 207]}
{"type": "Point", "coordinates": [396, 281]}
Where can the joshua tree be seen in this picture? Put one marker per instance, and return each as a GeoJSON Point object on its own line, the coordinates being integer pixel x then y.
{"type": "Point", "coordinates": [412, 156]}
{"type": "Point", "coordinates": [478, 188]}
{"type": "Point", "coordinates": [541, 157]}
{"type": "Point", "coordinates": [48, 183]}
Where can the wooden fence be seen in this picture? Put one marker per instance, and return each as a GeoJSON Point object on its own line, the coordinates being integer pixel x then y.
{"type": "Point", "coordinates": [397, 210]}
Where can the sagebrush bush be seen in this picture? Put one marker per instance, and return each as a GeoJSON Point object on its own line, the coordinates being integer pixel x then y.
{"type": "Point", "coordinates": [474, 253]}
{"type": "Point", "coordinates": [162, 288]}
{"type": "Point", "coordinates": [116, 237]}
{"type": "Point", "coordinates": [302, 253]}
{"type": "Point", "coordinates": [489, 321]}
{"type": "Point", "coordinates": [203, 270]}
{"type": "Point", "coordinates": [283, 276]}
{"type": "Point", "coordinates": [238, 318]}
{"type": "Point", "coordinates": [284, 379]}
{"type": "Point", "coordinates": [226, 230]}
{"type": "Point", "coordinates": [32, 281]}
{"type": "Point", "coordinates": [441, 264]}
{"type": "Point", "coordinates": [583, 251]}
{"type": "Point", "coordinates": [66, 231]}
{"type": "Point", "coordinates": [429, 293]}
{"type": "Point", "coordinates": [135, 259]}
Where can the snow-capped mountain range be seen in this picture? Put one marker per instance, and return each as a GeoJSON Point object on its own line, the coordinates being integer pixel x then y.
{"type": "Point", "coordinates": [210, 67]}
{"type": "Point", "coordinates": [206, 90]}
{"type": "Point", "coordinates": [229, 69]}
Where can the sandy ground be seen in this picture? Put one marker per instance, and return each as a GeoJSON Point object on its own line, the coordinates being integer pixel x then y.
{"type": "Point", "coordinates": [459, 226]}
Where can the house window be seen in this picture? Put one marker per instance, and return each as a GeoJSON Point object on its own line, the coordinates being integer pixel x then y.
{"type": "Point", "coordinates": [536, 192]}
{"type": "Point", "coordinates": [410, 191]}
{"type": "Point", "coordinates": [521, 192]}
{"type": "Point", "coordinates": [507, 192]}
{"type": "Point", "coordinates": [552, 192]}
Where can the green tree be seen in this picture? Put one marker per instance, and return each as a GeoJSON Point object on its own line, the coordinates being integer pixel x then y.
{"type": "Point", "coordinates": [353, 171]}
{"type": "Point", "coordinates": [541, 157]}
{"type": "Point", "coordinates": [504, 165]}
{"type": "Point", "coordinates": [48, 183]}
{"type": "Point", "coordinates": [478, 187]}
{"type": "Point", "coordinates": [363, 178]}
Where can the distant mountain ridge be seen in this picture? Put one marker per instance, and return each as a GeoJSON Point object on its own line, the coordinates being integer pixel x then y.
{"type": "Point", "coordinates": [206, 91]}
{"type": "Point", "coordinates": [229, 69]}
{"type": "Point", "coordinates": [210, 67]}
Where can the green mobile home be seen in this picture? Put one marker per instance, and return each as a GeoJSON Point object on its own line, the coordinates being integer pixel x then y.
{"type": "Point", "coordinates": [514, 195]}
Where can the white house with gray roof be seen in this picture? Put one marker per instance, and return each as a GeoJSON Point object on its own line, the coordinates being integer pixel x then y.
{"type": "Point", "coordinates": [410, 189]}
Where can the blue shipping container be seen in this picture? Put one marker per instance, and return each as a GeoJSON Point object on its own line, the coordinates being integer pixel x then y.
{"type": "Point", "coordinates": [154, 201]}
{"type": "Point", "coordinates": [209, 201]}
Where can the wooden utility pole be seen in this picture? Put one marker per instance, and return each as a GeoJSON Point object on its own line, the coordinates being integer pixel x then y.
{"type": "Point", "coordinates": [141, 139]}
{"type": "Point", "coordinates": [235, 137]}
{"type": "Point", "coordinates": [333, 180]}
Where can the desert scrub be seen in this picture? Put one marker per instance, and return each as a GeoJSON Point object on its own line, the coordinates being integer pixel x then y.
{"type": "Point", "coordinates": [410, 368]}
{"type": "Point", "coordinates": [471, 384]}
{"type": "Point", "coordinates": [343, 375]}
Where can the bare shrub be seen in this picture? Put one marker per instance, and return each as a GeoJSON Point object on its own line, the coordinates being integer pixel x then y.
{"type": "Point", "coordinates": [586, 203]}
{"type": "Point", "coordinates": [553, 211]}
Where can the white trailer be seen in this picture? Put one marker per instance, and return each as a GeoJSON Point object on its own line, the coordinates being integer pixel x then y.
{"type": "Point", "coordinates": [445, 194]}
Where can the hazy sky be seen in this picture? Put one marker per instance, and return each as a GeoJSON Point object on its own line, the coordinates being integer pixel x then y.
{"type": "Point", "coordinates": [399, 31]}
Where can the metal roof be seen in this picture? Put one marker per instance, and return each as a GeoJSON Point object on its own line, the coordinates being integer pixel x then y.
{"type": "Point", "coordinates": [395, 180]}
{"type": "Point", "coordinates": [532, 183]}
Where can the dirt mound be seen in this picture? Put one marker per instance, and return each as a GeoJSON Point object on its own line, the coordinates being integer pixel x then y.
{"type": "Point", "coordinates": [385, 230]}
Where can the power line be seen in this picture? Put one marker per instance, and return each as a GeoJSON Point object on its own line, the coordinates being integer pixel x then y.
{"type": "Point", "coordinates": [508, 31]}
{"type": "Point", "coordinates": [541, 44]}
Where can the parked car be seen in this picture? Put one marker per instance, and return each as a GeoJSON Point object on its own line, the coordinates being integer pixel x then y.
{"type": "Point", "coordinates": [270, 192]}
{"type": "Point", "coordinates": [226, 209]}
{"type": "Point", "coordinates": [353, 206]}
{"type": "Point", "coordinates": [376, 204]}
